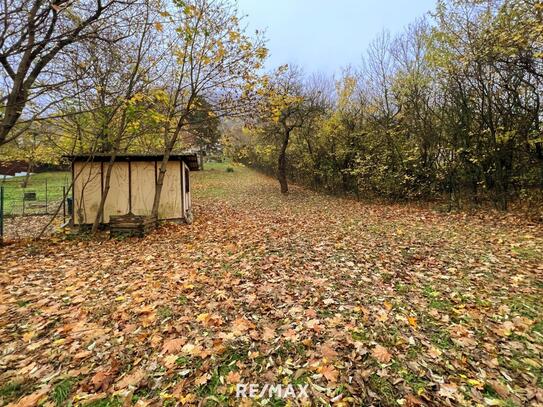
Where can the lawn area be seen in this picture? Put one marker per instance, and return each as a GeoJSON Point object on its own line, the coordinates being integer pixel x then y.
{"type": "Point", "coordinates": [41, 183]}
{"type": "Point", "coordinates": [365, 304]}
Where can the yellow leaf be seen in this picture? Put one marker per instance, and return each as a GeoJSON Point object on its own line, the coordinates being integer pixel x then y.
{"type": "Point", "coordinates": [202, 379]}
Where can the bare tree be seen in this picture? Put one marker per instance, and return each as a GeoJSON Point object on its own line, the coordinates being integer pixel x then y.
{"type": "Point", "coordinates": [34, 36]}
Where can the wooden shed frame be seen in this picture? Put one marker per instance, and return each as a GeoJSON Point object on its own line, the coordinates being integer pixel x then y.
{"type": "Point", "coordinates": [132, 186]}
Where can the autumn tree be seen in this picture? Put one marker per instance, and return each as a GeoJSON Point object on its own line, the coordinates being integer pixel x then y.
{"type": "Point", "coordinates": [284, 107]}
{"type": "Point", "coordinates": [214, 59]}
{"type": "Point", "coordinates": [204, 126]}
{"type": "Point", "coordinates": [448, 108]}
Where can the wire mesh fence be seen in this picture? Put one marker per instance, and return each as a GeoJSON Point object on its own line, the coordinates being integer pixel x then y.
{"type": "Point", "coordinates": [40, 194]}
{"type": "Point", "coordinates": [29, 200]}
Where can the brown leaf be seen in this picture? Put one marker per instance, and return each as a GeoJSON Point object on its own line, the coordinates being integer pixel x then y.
{"type": "Point", "coordinates": [381, 354]}
{"type": "Point", "coordinates": [499, 388]}
{"type": "Point", "coordinates": [32, 399]}
{"type": "Point", "coordinates": [241, 325]}
{"type": "Point", "coordinates": [173, 345]}
{"type": "Point", "coordinates": [269, 334]}
{"type": "Point", "coordinates": [102, 380]}
{"type": "Point", "coordinates": [330, 372]}
{"type": "Point", "coordinates": [328, 351]}
{"type": "Point", "coordinates": [134, 378]}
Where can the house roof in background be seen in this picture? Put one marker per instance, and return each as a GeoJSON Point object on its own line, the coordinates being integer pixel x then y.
{"type": "Point", "coordinates": [190, 159]}
{"type": "Point", "coordinates": [13, 167]}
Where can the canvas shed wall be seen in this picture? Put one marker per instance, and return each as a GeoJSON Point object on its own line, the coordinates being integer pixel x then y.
{"type": "Point", "coordinates": [143, 187]}
{"type": "Point", "coordinates": [170, 200]}
{"type": "Point", "coordinates": [117, 201]}
{"type": "Point", "coordinates": [132, 189]}
{"type": "Point", "coordinates": [87, 191]}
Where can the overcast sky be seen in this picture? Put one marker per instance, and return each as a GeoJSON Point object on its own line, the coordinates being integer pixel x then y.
{"type": "Point", "coordinates": [325, 35]}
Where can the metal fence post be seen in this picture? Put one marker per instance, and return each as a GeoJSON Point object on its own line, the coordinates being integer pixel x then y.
{"type": "Point", "coordinates": [1, 214]}
{"type": "Point", "coordinates": [63, 204]}
{"type": "Point", "coordinates": [46, 202]}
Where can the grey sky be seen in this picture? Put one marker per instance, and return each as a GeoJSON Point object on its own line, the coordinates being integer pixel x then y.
{"type": "Point", "coordinates": [324, 35]}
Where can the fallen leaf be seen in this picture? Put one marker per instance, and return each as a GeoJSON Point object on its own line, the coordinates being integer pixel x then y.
{"type": "Point", "coordinates": [173, 345]}
{"type": "Point", "coordinates": [134, 378]}
{"type": "Point", "coordinates": [233, 377]}
{"type": "Point", "coordinates": [448, 390]}
{"type": "Point", "coordinates": [32, 399]}
{"type": "Point", "coordinates": [381, 354]}
{"type": "Point", "coordinates": [330, 373]}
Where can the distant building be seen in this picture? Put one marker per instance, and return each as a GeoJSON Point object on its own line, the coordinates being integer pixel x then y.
{"type": "Point", "coordinates": [13, 168]}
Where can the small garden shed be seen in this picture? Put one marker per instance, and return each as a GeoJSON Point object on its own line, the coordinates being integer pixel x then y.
{"type": "Point", "coordinates": [132, 186]}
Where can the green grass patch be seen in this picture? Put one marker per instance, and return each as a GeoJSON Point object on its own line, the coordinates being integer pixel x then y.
{"type": "Point", "coordinates": [527, 253]}
{"type": "Point", "coordinates": [107, 402]}
{"type": "Point", "coordinates": [526, 305]}
{"type": "Point", "coordinates": [61, 392]}
{"type": "Point", "coordinates": [11, 391]}
{"type": "Point", "coordinates": [360, 334]}
{"type": "Point", "coordinates": [384, 389]}
{"type": "Point", "coordinates": [227, 364]}
{"type": "Point", "coordinates": [164, 312]}
{"type": "Point", "coordinates": [442, 339]}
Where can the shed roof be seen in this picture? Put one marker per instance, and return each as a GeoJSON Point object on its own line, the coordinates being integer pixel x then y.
{"type": "Point", "coordinates": [190, 159]}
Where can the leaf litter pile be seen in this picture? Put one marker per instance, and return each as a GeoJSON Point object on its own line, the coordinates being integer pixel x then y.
{"type": "Point", "coordinates": [365, 304]}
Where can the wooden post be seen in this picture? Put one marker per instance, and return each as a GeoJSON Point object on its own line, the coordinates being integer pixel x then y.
{"type": "Point", "coordinates": [129, 186]}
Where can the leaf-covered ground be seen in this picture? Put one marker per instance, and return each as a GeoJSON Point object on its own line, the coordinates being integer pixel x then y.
{"type": "Point", "coordinates": [367, 304]}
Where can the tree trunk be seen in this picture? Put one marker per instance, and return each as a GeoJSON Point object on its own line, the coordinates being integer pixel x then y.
{"type": "Point", "coordinates": [105, 191]}
{"type": "Point", "coordinates": [29, 169]}
{"type": "Point", "coordinates": [160, 182]}
{"type": "Point", "coordinates": [282, 163]}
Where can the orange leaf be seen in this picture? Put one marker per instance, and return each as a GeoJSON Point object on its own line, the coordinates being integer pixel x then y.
{"type": "Point", "coordinates": [173, 345]}
{"type": "Point", "coordinates": [203, 379]}
{"type": "Point", "coordinates": [381, 354]}
{"type": "Point", "coordinates": [32, 399]}
{"type": "Point", "coordinates": [233, 377]}
{"type": "Point", "coordinates": [330, 373]}
{"type": "Point", "coordinates": [412, 321]}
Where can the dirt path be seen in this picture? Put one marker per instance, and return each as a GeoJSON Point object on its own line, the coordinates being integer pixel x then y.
{"type": "Point", "coordinates": [363, 303]}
